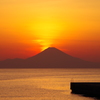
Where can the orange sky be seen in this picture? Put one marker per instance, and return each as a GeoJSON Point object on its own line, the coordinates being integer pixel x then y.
{"type": "Point", "coordinates": [29, 26]}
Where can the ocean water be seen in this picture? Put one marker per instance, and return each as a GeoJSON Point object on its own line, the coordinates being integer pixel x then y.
{"type": "Point", "coordinates": [44, 84]}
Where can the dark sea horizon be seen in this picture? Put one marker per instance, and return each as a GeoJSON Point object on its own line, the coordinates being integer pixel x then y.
{"type": "Point", "coordinates": [44, 84]}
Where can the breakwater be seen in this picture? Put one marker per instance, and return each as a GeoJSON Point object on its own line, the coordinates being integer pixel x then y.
{"type": "Point", "coordinates": [86, 88]}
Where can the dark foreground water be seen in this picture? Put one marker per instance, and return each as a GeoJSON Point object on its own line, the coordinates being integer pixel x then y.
{"type": "Point", "coordinates": [44, 84]}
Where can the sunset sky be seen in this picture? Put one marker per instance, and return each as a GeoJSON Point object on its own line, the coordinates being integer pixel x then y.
{"type": "Point", "coordinates": [29, 26]}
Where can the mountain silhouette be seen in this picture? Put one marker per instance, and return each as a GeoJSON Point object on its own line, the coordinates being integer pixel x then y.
{"type": "Point", "coordinates": [49, 58]}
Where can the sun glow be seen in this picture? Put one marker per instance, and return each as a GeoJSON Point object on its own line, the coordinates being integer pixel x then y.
{"type": "Point", "coordinates": [44, 43]}
{"type": "Point", "coordinates": [46, 32]}
{"type": "Point", "coordinates": [46, 29]}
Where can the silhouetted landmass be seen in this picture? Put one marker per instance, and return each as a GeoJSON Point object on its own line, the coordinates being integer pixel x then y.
{"type": "Point", "coordinates": [90, 89]}
{"type": "Point", "coordinates": [49, 58]}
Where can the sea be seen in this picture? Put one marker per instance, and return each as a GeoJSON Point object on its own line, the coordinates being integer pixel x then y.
{"type": "Point", "coordinates": [44, 84]}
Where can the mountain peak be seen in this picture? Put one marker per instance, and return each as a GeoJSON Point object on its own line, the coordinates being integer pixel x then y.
{"type": "Point", "coordinates": [53, 53]}
{"type": "Point", "coordinates": [52, 50]}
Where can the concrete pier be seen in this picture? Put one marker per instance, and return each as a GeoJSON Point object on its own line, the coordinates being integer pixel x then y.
{"type": "Point", "coordinates": [86, 88]}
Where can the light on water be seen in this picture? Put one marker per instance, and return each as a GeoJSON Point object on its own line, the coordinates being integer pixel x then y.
{"type": "Point", "coordinates": [43, 84]}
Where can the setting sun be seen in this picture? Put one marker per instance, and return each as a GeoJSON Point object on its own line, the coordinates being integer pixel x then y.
{"type": "Point", "coordinates": [46, 31]}
{"type": "Point", "coordinates": [44, 43]}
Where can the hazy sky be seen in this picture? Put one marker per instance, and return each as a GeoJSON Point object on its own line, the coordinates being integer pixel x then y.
{"type": "Point", "coordinates": [29, 26]}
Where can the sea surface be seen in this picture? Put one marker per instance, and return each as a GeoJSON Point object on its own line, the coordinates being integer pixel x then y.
{"type": "Point", "coordinates": [44, 84]}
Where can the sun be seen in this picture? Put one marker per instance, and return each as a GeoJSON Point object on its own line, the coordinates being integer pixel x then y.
{"type": "Point", "coordinates": [44, 43]}
{"type": "Point", "coordinates": [46, 31]}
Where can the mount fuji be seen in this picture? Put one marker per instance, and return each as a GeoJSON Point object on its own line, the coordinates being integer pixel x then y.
{"type": "Point", "coordinates": [49, 58]}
